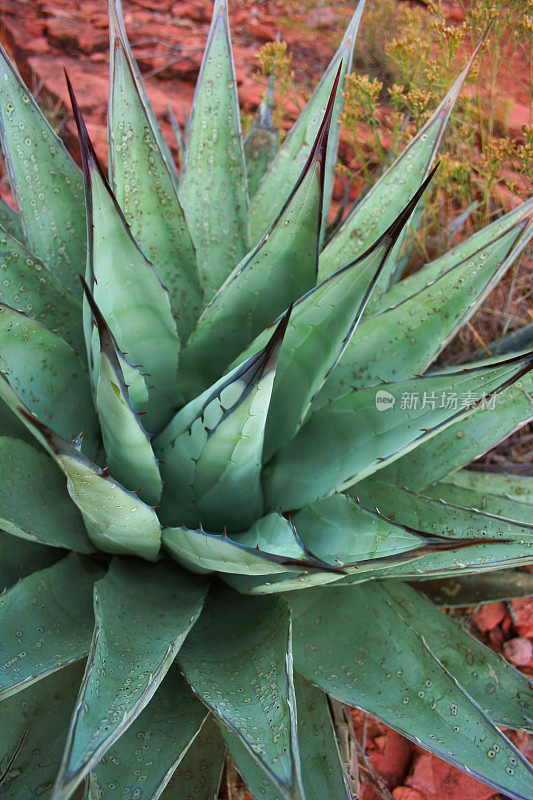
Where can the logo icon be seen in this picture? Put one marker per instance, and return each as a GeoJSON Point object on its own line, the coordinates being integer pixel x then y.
{"type": "Point", "coordinates": [384, 400]}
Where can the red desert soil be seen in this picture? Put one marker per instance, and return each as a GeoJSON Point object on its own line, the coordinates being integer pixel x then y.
{"type": "Point", "coordinates": [44, 36]}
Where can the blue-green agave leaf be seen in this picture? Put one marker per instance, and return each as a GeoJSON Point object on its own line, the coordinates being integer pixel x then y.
{"type": "Point", "coordinates": [127, 289]}
{"type": "Point", "coordinates": [116, 520]}
{"type": "Point", "coordinates": [19, 557]}
{"type": "Point", "coordinates": [29, 286]}
{"type": "Point", "coordinates": [409, 335]}
{"type": "Point", "coordinates": [495, 493]}
{"type": "Point", "coordinates": [45, 181]}
{"type": "Point", "coordinates": [271, 545]}
{"type": "Point", "coordinates": [454, 514]}
{"type": "Point", "coordinates": [356, 645]}
{"type": "Point", "coordinates": [148, 196]}
{"type": "Point", "coordinates": [384, 201]}
{"type": "Point", "coordinates": [143, 760]}
{"type": "Point", "coordinates": [33, 726]}
{"type": "Point", "coordinates": [200, 770]}
{"type": "Point", "coordinates": [323, 776]}
{"type": "Point", "coordinates": [48, 376]}
{"type": "Point", "coordinates": [238, 660]}
{"type": "Point", "coordinates": [10, 221]}
{"type": "Point", "coordinates": [463, 252]}
{"type": "Point", "coordinates": [127, 445]}
{"type": "Point", "coordinates": [473, 590]}
{"type": "Point", "coordinates": [319, 330]}
{"type": "Point", "coordinates": [211, 450]}
{"type": "Point", "coordinates": [362, 542]}
{"type": "Point", "coordinates": [503, 693]}
{"type": "Point", "coordinates": [279, 270]}
{"type": "Point", "coordinates": [466, 439]}
{"type": "Point", "coordinates": [514, 342]}
{"type": "Point", "coordinates": [212, 183]}
{"type": "Point", "coordinates": [360, 432]}
{"type": "Point", "coordinates": [143, 614]}
{"type": "Point", "coordinates": [262, 141]}
{"type": "Point", "coordinates": [178, 135]}
{"type": "Point", "coordinates": [34, 503]}
{"type": "Point", "coordinates": [283, 172]}
{"type": "Point", "coordinates": [47, 622]}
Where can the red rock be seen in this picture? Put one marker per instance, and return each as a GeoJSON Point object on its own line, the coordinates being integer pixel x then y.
{"type": "Point", "coordinates": [39, 45]}
{"type": "Point", "coordinates": [265, 33]}
{"type": "Point", "coordinates": [437, 780]}
{"type": "Point", "coordinates": [390, 755]}
{"type": "Point", "coordinates": [506, 625]}
{"type": "Point", "coordinates": [489, 615]}
{"type": "Point", "coordinates": [523, 609]}
{"type": "Point", "coordinates": [407, 793]}
{"type": "Point", "coordinates": [324, 17]}
{"type": "Point", "coordinates": [456, 13]}
{"type": "Point", "coordinates": [518, 650]}
{"type": "Point", "coordinates": [497, 638]}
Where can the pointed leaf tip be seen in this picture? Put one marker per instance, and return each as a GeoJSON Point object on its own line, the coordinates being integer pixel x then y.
{"type": "Point", "coordinates": [272, 350]}
{"type": "Point", "coordinates": [402, 219]}
{"type": "Point", "coordinates": [320, 146]}
{"type": "Point", "coordinates": [88, 155]}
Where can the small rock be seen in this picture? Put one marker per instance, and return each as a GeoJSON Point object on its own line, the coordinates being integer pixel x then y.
{"type": "Point", "coordinates": [523, 609]}
{"type": "Point", "coordinates": [456, 13]}
{"type": "Point", "coordinates": [406, 793]}
{"type": "Point", "coordinates": [324, 18]}
{"type": "Point", "coordinates": [518, 650]}
{"type": "Point", "coordinates": [39, 45]}
{"type": "Point", "coordinates": [489, 616]}
{"type": "Point", "coordinates": [262, 32]}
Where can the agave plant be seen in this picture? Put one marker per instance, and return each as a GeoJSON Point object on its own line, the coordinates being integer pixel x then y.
{"type": "Point", "coordinates": [264, 477]}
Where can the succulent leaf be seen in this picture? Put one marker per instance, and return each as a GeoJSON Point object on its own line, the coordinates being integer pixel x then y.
{"type": "Point", "coordinates": [143, 615]}
{"type": "Point", "coordinates": [141, 763]}
{"type": "Point", "coordinates": [497, 493]}
{"type": "Point", "coordinates": [473, 590]}
{"type": "Point", "coordinates": [211, 450]}
{"type": "Point", "coordinates": [115, 519]}
{"type": "Point", "coordinates": [459, 513]}
{"type": "Point", "coordinates": [410, 335]}
{"type": "Point", "coordinates": [127, 445]}
{"type": "Point", "coordinates": [47, 375]}
{"type": "Point", "coordinates": [271, 545]}
{"type": "Point", "coordinates": [365, 544]}
{"type": "Point", "coordinates": [212, 183]}
{"type": "Point", "coordinates": [320, 328]}
{"type": "Point", "coordinates": [330, 453]}
{"type": "Point", "coordinates": [20, 557]}
{"type": "Point", "coordinates": [62, 592]}
{"type": "Point", "coordinates": [10, 221]}
{"type": "Point", "coordinates": [229, 661]}
{"type": "Point", "coordinates": [45, 181]}
{"type": "Point", "coordinates": [32, 732]}
{"type": "Point", "coordinates": [360, 629]}
{"type": "Point", "coordinates": [262, 141]}
{"type": "Point", "coordinates": [503, 693]}
{"type": "Point", "coordinates": [283, 172]}
{"type": "Point", "coordinates": [148, 197]}
{"type": "Point", "coordinates": [324, 772]}
{"type": "Point", "coordinates": [200, 770]}
{"type": "Point", "coordinates": [127, 289]}
{"type": "Point", "coordinates": [477, 243]}
{"type": "Point", "coordinates": [465, 439]}
{"type": "Point", "coordinates": [279, 270]}
{"type": "Point", "coordinates": [382, 204]}
{"type": "Point", "coordinates": [30, 287]}
{"type": "Point", "coordinates": [50, 518]}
